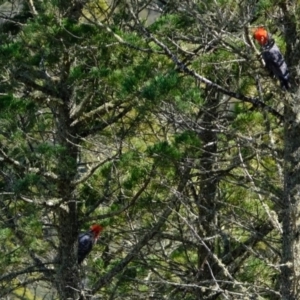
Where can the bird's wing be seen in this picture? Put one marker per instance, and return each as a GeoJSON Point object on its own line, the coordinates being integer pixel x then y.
{"type": "Point", "coordinates": [275, 62]}
{"type": "Point", "coordinates": [85, 245]}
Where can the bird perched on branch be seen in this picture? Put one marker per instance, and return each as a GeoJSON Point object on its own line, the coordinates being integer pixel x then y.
{"type": "Point", "coordinates": [272, 57]}
{"type": "Point", "coordinates": [87, 240]}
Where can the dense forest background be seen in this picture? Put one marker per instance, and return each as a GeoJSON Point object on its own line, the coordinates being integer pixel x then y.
{"type": "Point", "coordinates": [157, 120]}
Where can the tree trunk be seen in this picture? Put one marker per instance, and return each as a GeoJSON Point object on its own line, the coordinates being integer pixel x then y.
{"type": "Point", "coordinates": [68, 280]}
{"type": "Point", "coordinates": [208, 187]}
{"type": "Point", "coordinates": [290, 270]}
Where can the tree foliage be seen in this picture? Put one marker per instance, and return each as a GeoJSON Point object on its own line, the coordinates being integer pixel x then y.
{"type": "Point", "coordinates": [157, 120]}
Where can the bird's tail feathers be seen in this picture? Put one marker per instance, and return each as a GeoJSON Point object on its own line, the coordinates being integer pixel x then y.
{"type": "Point", "coordinates": [285, 84]}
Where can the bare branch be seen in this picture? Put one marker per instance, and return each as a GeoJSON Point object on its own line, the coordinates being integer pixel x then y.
{"type": "Point", "coordinates": [145, 239]}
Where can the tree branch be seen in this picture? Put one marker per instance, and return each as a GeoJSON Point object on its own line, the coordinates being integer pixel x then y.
{"type": "Point", "coordinates": [254, 101]}
{"type": "Point", "coordinates": [145, 239]}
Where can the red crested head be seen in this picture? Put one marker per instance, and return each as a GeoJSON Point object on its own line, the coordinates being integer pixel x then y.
{"type": "Point", "coordinates": [261, 35]}
{"type": "Point", "coordinates": [96, 229]}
